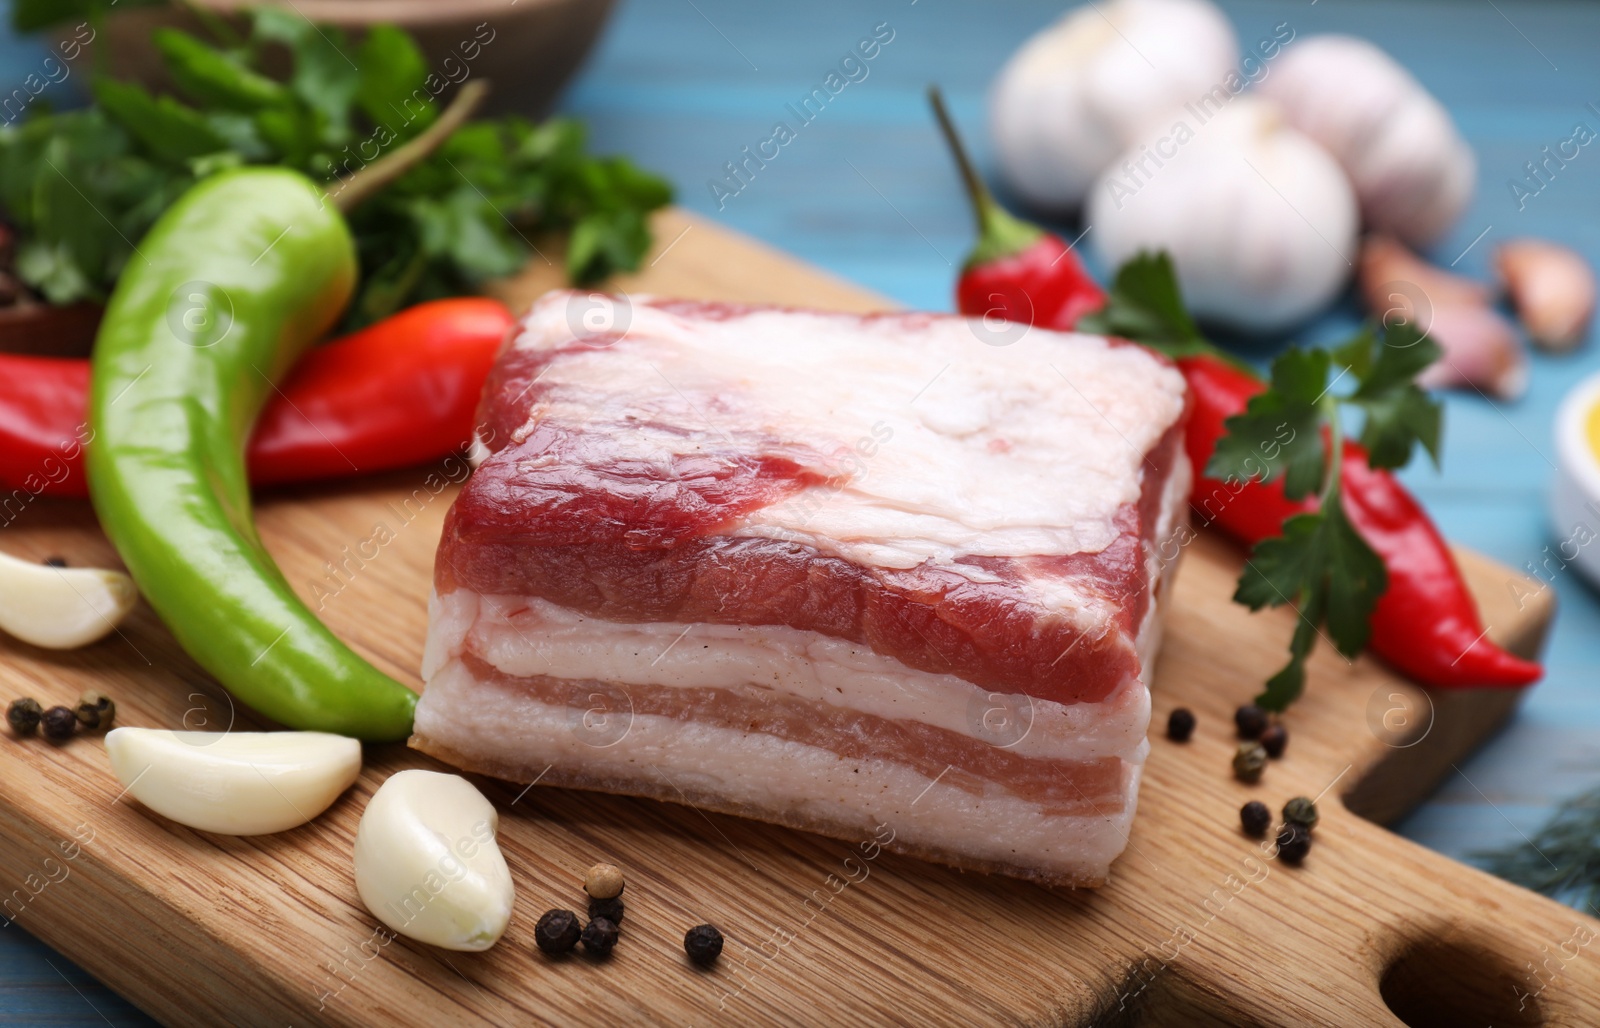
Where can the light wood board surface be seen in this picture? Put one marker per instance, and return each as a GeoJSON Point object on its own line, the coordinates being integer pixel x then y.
{"type": "Point", "coordinates": [1198, 925]}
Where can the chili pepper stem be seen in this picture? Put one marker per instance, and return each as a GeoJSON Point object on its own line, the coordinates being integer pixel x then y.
{"type": "Point", "coordinates": [999, 233]}
{"type": "Point", "coordinates": [348, 192]}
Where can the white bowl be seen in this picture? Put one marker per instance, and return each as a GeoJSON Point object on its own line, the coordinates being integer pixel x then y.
{"type": "Point", "coordinates": [1575, 495]}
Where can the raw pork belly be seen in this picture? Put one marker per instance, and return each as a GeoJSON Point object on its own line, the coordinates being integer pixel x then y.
{"type": "Point", "coordinates": [829, 571]}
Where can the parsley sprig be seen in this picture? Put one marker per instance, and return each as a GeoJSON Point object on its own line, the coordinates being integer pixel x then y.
{"type": "Point", "coordinates": [1295, 432]}
{"type": "Point", "coordinates": [80, 187]}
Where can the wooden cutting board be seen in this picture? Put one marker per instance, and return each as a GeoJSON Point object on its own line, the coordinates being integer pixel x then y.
{"type": "Point", "coordinates": [1198, 925]}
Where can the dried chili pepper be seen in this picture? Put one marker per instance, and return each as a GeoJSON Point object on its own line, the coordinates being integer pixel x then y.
{"type": "Point", "coordinates": [397, 393]}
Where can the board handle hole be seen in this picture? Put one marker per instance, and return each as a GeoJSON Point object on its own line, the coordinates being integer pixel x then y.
{"type": "Point", "coordinates": [1435, 983]}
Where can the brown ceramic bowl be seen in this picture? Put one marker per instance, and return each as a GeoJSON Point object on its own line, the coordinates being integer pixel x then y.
{"type": "Point", "coordinates": [527, 51]}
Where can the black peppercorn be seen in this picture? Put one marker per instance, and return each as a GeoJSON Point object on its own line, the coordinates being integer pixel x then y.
{"type": "Point", "coordinates": [1180, 724]}
{"type": "Point", "coordinates": [1251, 721]}
{"type": "Point", "coordinates": [703, 943]}
{"type": "Point", "coordinates": [95, 712]}
{"type": "Point", "coordinates": [610, 909]}
{"type": "Point", "coordinates": [600, 937]}
{"type": "Point", "coordinates": [1249, 762]}
{"type": "Point", "coordinates": [1294, 842]}
{"type": "Point", "coordinates": [1301, 811]}
{"type": "Point", "coordinates": [24, 715]}
{"type": "Point", "coordinates": [557, 931]}
{"type": "Point", "coordinates": [1255, 818]}
{"type": "Point", "coordinates": [59, 723]}
{"type": "Point", "coordinates": [1273, 739]}
{"type": "Point", "coordinates": [55, 562]}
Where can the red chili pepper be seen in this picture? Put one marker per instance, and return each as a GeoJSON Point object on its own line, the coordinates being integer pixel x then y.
{"type": "Point", "coordinates": [1018, 271]}
{"type": "Point", "coordinates": [1426, 623]}
{"type": "Point", "coordinates": [396, 393]}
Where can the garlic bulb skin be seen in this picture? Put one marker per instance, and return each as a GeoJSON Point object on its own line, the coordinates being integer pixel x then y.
{"type": "Point", "coordinates": [1413, 173]}
{"type": "Point", "coordinates": [1079, 92]}
{"type": "Point", "coordinates": [1259, 220]}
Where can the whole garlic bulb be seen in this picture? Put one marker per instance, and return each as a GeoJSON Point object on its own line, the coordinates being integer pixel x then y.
{"type": "Point", "coordinates": [1079, 92]}
{"type": "Point", "coordinates": [1259, 220]}
{"type": "Point", "coordinates": [1413, 173]}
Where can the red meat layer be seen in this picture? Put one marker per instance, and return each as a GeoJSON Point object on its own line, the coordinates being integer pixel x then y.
{"type": "Point", "coordinates": [563, 515]}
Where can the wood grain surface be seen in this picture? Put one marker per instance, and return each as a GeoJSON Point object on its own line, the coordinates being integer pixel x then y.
{"type": "Point", "coordinates": [1198, 926]}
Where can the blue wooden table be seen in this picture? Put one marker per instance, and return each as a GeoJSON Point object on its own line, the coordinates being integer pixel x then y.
{"type": "Point", "coordinates": [867, 191]}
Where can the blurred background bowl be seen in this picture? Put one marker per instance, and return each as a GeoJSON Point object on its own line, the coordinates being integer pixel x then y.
{"type": "Point", "coordinates": [535, 45]}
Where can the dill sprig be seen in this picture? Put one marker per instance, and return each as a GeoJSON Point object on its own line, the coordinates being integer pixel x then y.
{"type": "Point", "coordinates": [1562, 860]}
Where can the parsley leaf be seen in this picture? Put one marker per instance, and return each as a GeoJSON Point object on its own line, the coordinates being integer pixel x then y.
{"type": "Point", "coordinates": [1321, 565]}
{"type": "Point", "coordinates": [1279, 434]}
{"type": "Point", "coordinates": [1399, 415]}
{"type": "Point", "coordinates": [171, 131]}
{"type": "Point", "coordinates": [216, 77]}
{"type": "Point", "coordinates": [1292, 433]}
{"type": "Point", "coordinates": [393, 72]}
{"type": "Point", "coordinates": [1145, 305]}
{"type": "Point", "coordinates": [79, 187]}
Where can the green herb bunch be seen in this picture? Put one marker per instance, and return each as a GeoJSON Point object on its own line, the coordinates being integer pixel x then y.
{"type": "Point", "coordinates": [1562, 860]}
{"type": "Point", "coordinates": [79, 188]}
{"type": "Point", "coordinates": [1295, 432]}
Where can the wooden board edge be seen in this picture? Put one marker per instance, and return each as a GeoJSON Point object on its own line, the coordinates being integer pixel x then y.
{"type": "Point", "coordinates": [1424, 733]}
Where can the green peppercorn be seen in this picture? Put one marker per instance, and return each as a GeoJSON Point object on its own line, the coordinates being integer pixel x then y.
{"type": "Point", "coordinates": [1180, 724]}
{"type": "Point", "coordinates": [1300, 811]}
{"type": "Point", "coordinates": [1251, 721]}
{"type": "Point", "coordinates": [610, 909]}
{"type": "Point", "coordinates": [1294, 842]}
{"type": "Point", "coordinates": [703, 943]}
{"type": "Point", "coordinates": [600, 937]}
{"type": "Point", "coordinates": [1255, 818]}
{"type": "Point", "coordinates": [1249, 762]}
{"type": "Point", "coordinates": [59, 724]}
{"type": "Point", "coordinates": [24, 715]}
{"type": "Point", "coordinates": [1273, 739]}
{"type": "Point", "coordinates": [557, 931]}
{"type": "Point", "coordinates": [95, 712]}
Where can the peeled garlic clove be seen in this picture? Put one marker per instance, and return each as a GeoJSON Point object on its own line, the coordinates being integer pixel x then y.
{"type": "Point", "coordinates": [1412, 172]}
{"type": "Point", "coordinates": [1078, 93]}
{"type": "Point", "coordinates": [1259, 220]}
{"type": "Point", "coordinates": [61, 608]}
{"type": "Point", "coordinates": [1552, 288]}
{"type": "Point", "coordinates": [427, 864]}
{"type": "Point", "coordinates": [1480, 351]}
{"type": "Point", "coordinates": [234, 783]}
{"type": "Point", "coordinates": [1393, 279]}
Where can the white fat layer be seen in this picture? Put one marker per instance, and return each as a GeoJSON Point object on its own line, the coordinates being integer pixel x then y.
{"type": "Point", "coordinates": [526, 636]}
{"type": "Point", "coordinates": [1173, 535]}
{"type": "Point", "coordinates": [764, 773]}
{"type": "Point", "coordinates": [947, 445]}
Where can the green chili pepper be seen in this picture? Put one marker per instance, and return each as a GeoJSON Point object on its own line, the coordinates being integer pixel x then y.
{"type": "Point", "coordinates": [230, 286]}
